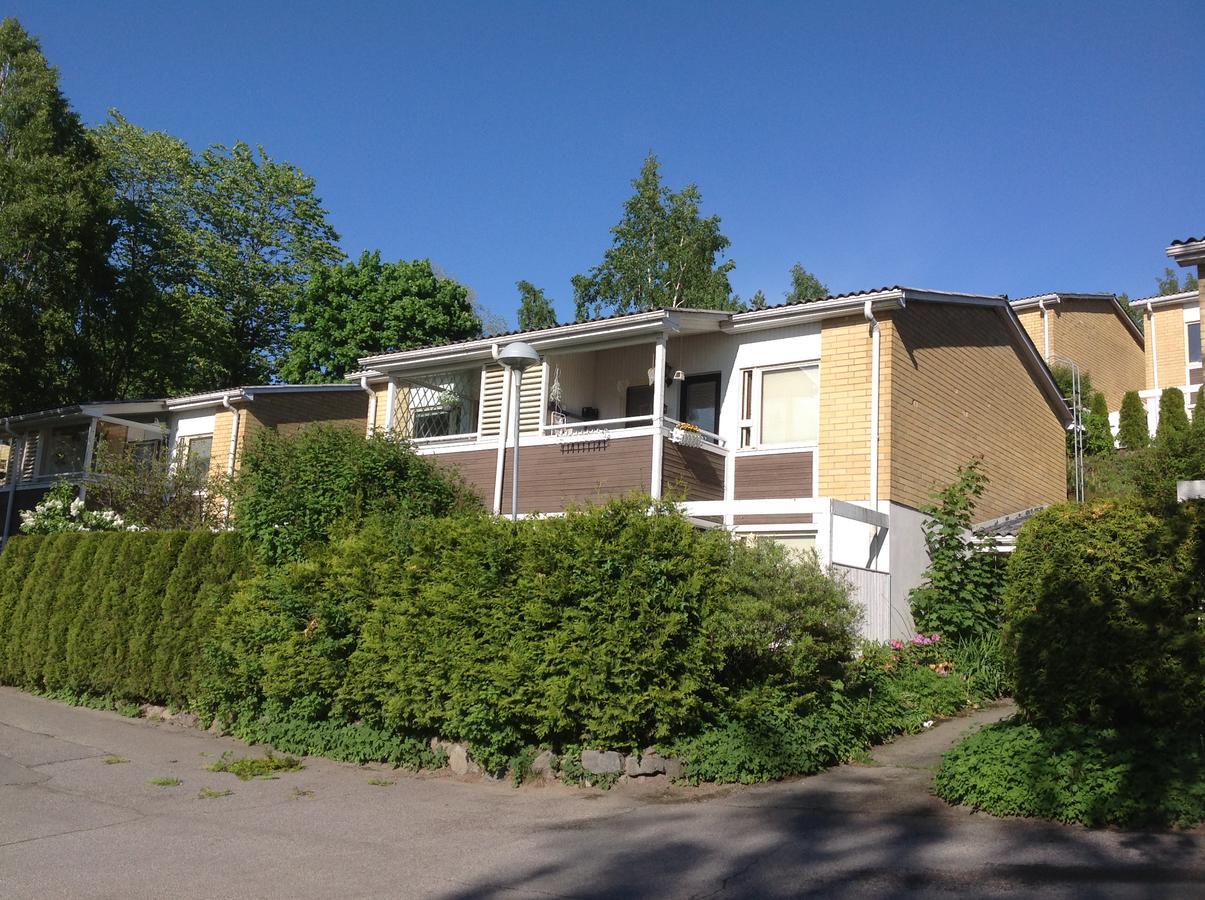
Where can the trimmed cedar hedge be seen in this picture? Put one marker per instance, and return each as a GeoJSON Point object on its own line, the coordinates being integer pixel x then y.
{"type": "Point", "coordinates": [123, 615]}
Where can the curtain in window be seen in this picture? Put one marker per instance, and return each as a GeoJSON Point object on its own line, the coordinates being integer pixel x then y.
{"type": "Point", "coordinates": [790, 406]}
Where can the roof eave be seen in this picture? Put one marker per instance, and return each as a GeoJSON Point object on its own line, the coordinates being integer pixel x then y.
{"type": "Point", "coordinates": [1188, 253]}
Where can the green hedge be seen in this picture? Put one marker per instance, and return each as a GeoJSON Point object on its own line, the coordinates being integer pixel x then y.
{"type": "Point", "coordinates": [607, 627]}
{"type": "Point", "coordinates": [119, 615]}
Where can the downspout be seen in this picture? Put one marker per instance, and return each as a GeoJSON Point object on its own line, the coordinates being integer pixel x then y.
{"type": "Point", "coordinates": [1045, 328]}
{"type": "Point", "coordinates": [1150, 312]}
{"type": "Point", "coordinates": [868, 312]}
{"type": "Point", "coordinates": [372, 405]}
{"type": "Point", "coordinates": [503, 430]}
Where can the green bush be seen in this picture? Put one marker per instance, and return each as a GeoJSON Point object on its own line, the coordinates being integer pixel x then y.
{"type": "Point", "coordinates": [1133, 432]}
{"type": "Point", "coordinates": [117, 615]}
{"type": "Point", "coordinates": [1102, 618]}
{"type": "Point", "coordinates": [1173, 417]}
{"type": "Point", "coordinates": [960, 594]}
{"type": "Point", "coordinates": [293, 490]}
{"type": "Point", "coordinates": [1098, 436]}
{"type": "Point", "coordinates": [609, 626]}
{"type": "Point", "coordinates": [1075, 774]}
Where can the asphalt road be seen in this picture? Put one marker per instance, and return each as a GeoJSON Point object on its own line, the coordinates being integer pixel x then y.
{"type": "Point", "coordinates": [74, 825]}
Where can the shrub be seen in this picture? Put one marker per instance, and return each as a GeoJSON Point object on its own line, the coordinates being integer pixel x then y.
{"type": "Point", "coordinates": [1173, 417]}
{"type": "Point", "coordinates": [119, 615]}
{"type": "Point", "coordinates": [61, 510]}
{"type": "Point", "coordinates": [1075, 774]}
{"type": "Point", "coordinates": [292, 490]}
{"type": "Point", "coordinates": [609, 626]}
{"type": "Point", "coordinates": [959, 596]}
{"type": "Point", "coordinates": [1098, 436]}
{"type": "Point", "coordinates": [1102, 607]}
{"type": "Point", "coordinates": [1132, 432]}
{"type": "Point", "coordinates": [152, 491]}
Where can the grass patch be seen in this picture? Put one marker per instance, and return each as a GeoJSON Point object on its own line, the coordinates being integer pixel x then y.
{"type": "Point", "coordinates": [210, 794]}
{"type": "Point", "coordinates": [1077, 774]}
{"type": "Point", "coordinates": [114, 760]}
{"type": "Point", "coordinates": [381, 782]}
{"type": "Point", "coordinates": [300, 793]}
{"type": "Point", "coordinates": [247, 767]}
{"type": "Point", "coordinates": [165, 781]}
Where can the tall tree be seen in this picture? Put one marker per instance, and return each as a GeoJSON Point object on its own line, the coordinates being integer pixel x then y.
{"type": "Point", "coordinates": [364, 307]}
{"type": "Point", "coordinates": [805, 286]}
{"type": "Point", "coordinates": [258, 231]}
{"type": "Point", "coordinates": [1133, 432]}
{"type": "Point", "coordinates": [54, 232]}
{"type": "Point", "coordinates": [535, 309]}
{"type": "Point", "coordinates": [663, 254]}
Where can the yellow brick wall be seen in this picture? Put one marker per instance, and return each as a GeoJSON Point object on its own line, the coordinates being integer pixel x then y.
{"type": "Point", "coordinates": [961, 388]}
{"type": "Point", "coordinates": [1170, 341]}
{"type": "Point", "coordinates": [382, 409]}
{"type": "Point", "coordinates": [1031, 321]}
{"type": "Point", "coordinates": [844, 451]}
{"type": "Point", "coordinates": [220, 453]}
{"type": "Point", "coordinates": [1091, 333]}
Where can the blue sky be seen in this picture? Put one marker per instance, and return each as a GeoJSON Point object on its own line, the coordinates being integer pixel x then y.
{"type": "Point", "coordinates": [989, 147]}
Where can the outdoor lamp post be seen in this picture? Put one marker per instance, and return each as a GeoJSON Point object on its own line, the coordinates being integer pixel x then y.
{"type": "Point", "coordinates": [518, 357]}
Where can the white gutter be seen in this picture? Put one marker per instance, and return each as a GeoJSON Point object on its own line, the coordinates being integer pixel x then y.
{"type": "Point", "coordinates": [1045, 328]}
{"type": "Point", "coordinates": [1150, 312]}
{"type": "Point", "coordinates": [503, 431]}
{"type": "Point", "coordinates": [868, 313]}
{"type": "Point", "coordinates": [372, 405]}
{"type": "Point", "coordinates": [234, 423]}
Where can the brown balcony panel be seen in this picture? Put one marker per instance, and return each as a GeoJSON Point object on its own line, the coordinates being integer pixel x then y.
{"type": "Point", "coordinates": [774, 476]}
{"type": "Point", "coordinates": [692, 473]}
{"type": "Point", "coordinates": [553, 476]}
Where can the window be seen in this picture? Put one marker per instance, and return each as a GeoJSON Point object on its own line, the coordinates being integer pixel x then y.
{"type": "Point", "coordinates": [1194, 343]}
{"type": "Point", "coordinates": [638, 402]}
{"type": "Point", "coordinates": [700, 401]}
{"type": "Point", "coordinates": [796, 543]}
{"type": "Point", "coordinates": [443, 404]}
{"type": "Point", "coordinates": [780, 406]}
{"type": "Point", "coordinates": [66, 452]}
{"type": "Point", "coordinates": [197, 455]}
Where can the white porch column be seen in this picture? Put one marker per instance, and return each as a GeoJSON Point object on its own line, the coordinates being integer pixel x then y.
{"type": "Point", "coordinates": [87, 466]}
{"type": "Point", "coordinates": [658, 415]}
{"type": "Point", "coordinates": [391, 405]}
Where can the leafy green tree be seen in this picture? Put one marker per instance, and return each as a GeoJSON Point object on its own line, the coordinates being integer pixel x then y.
{"type": "Point", "coordinates": [1170, 282]}
{"type": "Point", "coordinates": [1198, 411]}
{"type": "Point", "coordinates": [1134, 312]}
{"type": "Point", "coordinates": [54, 233]}
{"type": "Point", "coordinates": [364, 307]}
{"type": "Point", "coordinates": [535, 309]}
{"type": "Point", "coordinates": [663, 254]}
{"type": "Point", "coordinates": [805, 286]}
{"type": "Point", "coordinates": [259, 233]}
{"type": "Point", "coordinates": [1173, 418]}
{"type": "Point", "coordinates": [1132, 432]}
{"type": "Point", "coordinates": [1098, 436]}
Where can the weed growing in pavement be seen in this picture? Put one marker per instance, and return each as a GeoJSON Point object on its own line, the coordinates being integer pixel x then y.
{"type": "Point", "coordinates": [299, 793]}
{"type": "Point", "coordinates": [166, 781]}
{"type": "Point", "coordinates": [210, 794]}
{"type": "Point", "coordinates": [381, 782]}
{"type": "Point", "coordinates": [248, 767]}
{"type": "Point", "coordinates": [114, 760]}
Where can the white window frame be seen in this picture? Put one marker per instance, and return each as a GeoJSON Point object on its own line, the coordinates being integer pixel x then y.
{"type": "Point", "coordinates": [1190, 367]}
{"type": "Point", "coordinates": [753, 422]}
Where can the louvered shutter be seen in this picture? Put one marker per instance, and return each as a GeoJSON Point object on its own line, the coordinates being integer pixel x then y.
{"type": "Point", "coordinates": [531, 400]}
{"type": "Point", "coordinates": [29, 456]}
{"type": "Point", "coordinates": [493, 381]}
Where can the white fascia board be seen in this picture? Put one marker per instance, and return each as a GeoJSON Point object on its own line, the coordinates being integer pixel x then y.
{"type": "Point", "coordinates": [1188, 254]}
{"type": "Point", "coordinates": [1167, 299]}
{"type": "Point", "coordinates": [802, 313]}
{"type": "Point", "coordinates": [565, 336]}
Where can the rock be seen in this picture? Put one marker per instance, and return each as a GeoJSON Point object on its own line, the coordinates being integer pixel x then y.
{"type": "Point", "coordinates": [649, 763]}
{"type": "Point", "coordinates": [602, 762]}
{"type": "Point", "coordinates": [544, 766]}
{"type": "Point", "coordinates": [185, 719]}
{"type": "Point", "coordinates": [673, 767]}
{"type": "Point", "coordinates": [215, 727]}
{"type": "Point", "coordinates": [459, 762]}
{"type": "Point", "coordinates": [150, 711]}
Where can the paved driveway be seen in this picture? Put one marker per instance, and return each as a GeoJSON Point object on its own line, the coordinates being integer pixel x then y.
{"type": "Point", "coordinates": [73, 825]}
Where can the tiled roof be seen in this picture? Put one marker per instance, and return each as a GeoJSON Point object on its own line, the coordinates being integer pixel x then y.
{"type": "Point", "coordinates": [1006, 526]}
{"type": "Point", "coordinates": [1188, 240]}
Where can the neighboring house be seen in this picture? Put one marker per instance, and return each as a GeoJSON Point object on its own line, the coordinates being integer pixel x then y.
{"type": "Point", "coordinates": [1094, 332]}
{"type": "Point", "coordinates": [1173, 349]}
{"type": "Point", "coordinates": [823, 425]}
{"type": "Point", "coordinates": [210, 430]}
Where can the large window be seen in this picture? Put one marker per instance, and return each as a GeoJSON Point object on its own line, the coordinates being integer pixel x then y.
{"type": "Point", "coordinates": [443, 404]}
{"type": "Point", "coordinates": [197, 454]}
{"type": "Point", "coordinates": [780, 406]}
{"type": "Point", "coordinates": [65, 454]}
{"type": "Point", "coordinates": [701, 401]}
